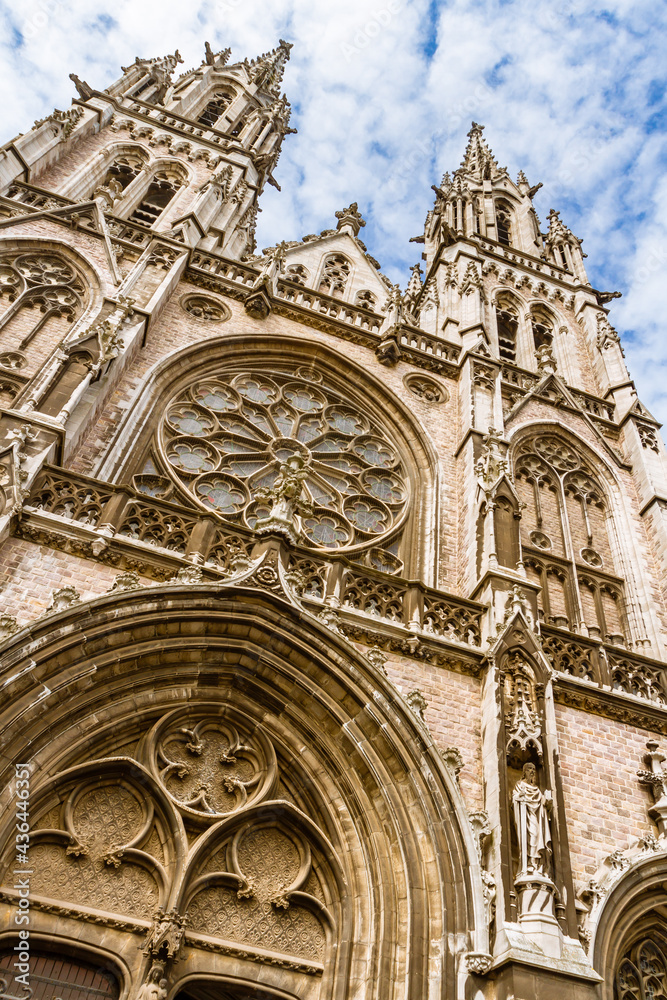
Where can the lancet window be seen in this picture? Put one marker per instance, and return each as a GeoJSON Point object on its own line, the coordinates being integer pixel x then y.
{"type": "Point", "coordinates": [215, 108]}
{"type": "Point", "coordinates": [223, 440]}
{"type": "Point", "coordinates": [565, 537]}
{"type": "Point", "coordinates": [40, 281]}
{"type": "Point", "coordinates": [507, 320]}
{"type": "Point", "coordinates": [543, 328]}
{"type": "Point", "coordinates": [157, 196]}
{"type": "Point", "coordinates": [504, 223]}
{"type": "Point", "coordinates": [335, 275]}
{"type": "Point", "coordinates": [124, 169]}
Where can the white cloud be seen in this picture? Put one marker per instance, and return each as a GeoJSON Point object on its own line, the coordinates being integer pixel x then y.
{"type": "Point", "coordinates": [568, 93]}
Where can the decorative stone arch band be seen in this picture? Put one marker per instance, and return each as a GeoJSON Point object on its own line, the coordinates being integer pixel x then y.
{"type": "Point", "coordinates": [368, 821]}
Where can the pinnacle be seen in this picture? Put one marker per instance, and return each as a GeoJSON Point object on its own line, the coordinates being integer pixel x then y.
{"type": "Point", "coordinates": [268, 69]}
{"type": "Point", "coordinates": [478, 158]}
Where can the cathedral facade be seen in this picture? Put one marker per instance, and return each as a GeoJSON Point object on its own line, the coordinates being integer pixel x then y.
{"type": "Point", "coordinates": [332, 638]}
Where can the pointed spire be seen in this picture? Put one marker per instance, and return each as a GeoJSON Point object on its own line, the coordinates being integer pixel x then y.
{"type": "Point", "coordinates": [413, 291]}
{"type": "Point", "coordinates": [559, 232]}
{"type": "Point", "coordinates": [479, 159]}
{"type": "Point", "coordinates": [267, 70]}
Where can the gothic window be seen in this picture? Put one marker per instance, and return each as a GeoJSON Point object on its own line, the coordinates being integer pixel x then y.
{"type": "Point", "coordinates": [43, 283]}
{"type": "Point", "coordinates": [239, 126]}
{"type": "Point", "coordinates": [124, 169]}
{"type": "Point", "coordinates": [335, 275]}
{"type": "Point", "coordinates": [215, 108]}
{"type": "Point", "coordinates": [366, 299]}
{"type": "Point", "coordinates": [565, 537]}
{"type": "Point", "coordinates": [503, 223]}
{"type": "Point", "coordinates": [155, 199]}
{"type": "Point", "coordinates": [507, 319]}
{"type": "Point", "coordinates": [223, 441]}
{"type": "Point", "coordinates": [642, 971]}
{"type": "Point", "coordinates": [543, 328]}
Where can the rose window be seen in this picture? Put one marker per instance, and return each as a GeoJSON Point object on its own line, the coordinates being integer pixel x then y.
{"type": "Point", "coordinates": [225, 438]}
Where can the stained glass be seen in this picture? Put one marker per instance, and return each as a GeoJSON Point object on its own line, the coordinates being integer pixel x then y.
{"type": "Point", "coordinates": [216, 399]}
{"type": "Point", "coordinates": [246, 468]}
{"type": "Point", "coordinates": [346, 422]}
{"type": "Point", "coordinates": [258, 392]}
{"type": "Point", "coordinates": [374, 453]}
{"type": "Point", "coordinates": [191, 458]}
{"type": "Point", "coordinates": [257, 418]}
{"type": "Point", "coordinates": [235, 426]}
{"type": "Point", "coordinates": [344, 464]}
{"type": "Point", "coordinates": [325, 531]}
{"type": "Point", "coordinates": [309, 429]}
{"type": "Point", "coordinates": [284, 420]}
{"type": "Point", "coordinates": [330, 444]}
{"type": "Point", "coordinates": [191, 422]}
{"type": "Point", "coordinates": [366, 517]}
{"type": "Point", "coordinates": [303, 399]}
{"type": "Point", "coordinates": [264, 421]}
{"type": "Point", "coordinates": [221, 495]}
{"type": "Point", "coordinates": [384, 487]}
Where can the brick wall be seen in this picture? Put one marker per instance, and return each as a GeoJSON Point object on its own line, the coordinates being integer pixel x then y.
{"type": "Point", "coordinates": [604, 802]}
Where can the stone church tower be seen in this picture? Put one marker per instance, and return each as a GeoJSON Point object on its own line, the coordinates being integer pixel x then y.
{"type": "Point", "coordinates": [332, 638]}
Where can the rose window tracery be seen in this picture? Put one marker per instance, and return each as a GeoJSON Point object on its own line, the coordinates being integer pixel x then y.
{"type": "Point", "coordinates": [224, 439]}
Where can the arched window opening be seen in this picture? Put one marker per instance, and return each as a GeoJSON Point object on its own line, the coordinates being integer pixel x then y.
{"type": "Point", "coordinates": [52, 975]}
{"type": "Point", "coordinates": [159, 193]}
{"type": "Point", "coordinates": [239, 126]}
{"type": "Point", "coordinates": [565, 533]}
{"type": "Point", "coordinates": [119, 176]}
{"type": "Point", "coordinates": [508, 325]}
{"type": "Point", "coordinates": [335, 275]}
{"type": "Point", "coordinates": [298, 273]}
{"type": "Point", "coordinates": [366, 299]}
{"type": "Point", "coordinates": [543, 328]}
{"type": "Point", "coordinates": [504, 223]}
{"type": "Point", "coordinates": [214, 110]}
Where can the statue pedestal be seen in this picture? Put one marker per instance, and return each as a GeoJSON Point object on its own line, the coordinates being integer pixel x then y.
{"type": "Point", "coordinates": [536, 912]}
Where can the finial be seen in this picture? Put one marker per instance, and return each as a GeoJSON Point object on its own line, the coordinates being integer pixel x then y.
{"type": "Point", "coordinates": [350, 220]}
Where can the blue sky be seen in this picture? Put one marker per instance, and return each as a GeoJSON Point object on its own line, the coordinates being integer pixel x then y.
{"type": "Point", "coordinates": [383, 93]}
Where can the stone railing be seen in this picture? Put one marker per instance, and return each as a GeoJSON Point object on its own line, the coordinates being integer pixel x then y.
{"type": "Point", "coordinates": [120, 515]}
{"type": "Point", "coordinates": [37, 198]}
{"type": "Point", "coordinates": [610, 667]}
{"type": "Point", "coordinates": [513, 256]}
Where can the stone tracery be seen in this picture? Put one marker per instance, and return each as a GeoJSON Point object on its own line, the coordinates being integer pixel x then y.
{"type": "Point", "coordinates": [225, 438]}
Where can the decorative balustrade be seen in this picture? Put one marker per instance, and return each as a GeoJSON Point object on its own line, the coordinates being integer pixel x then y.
{"type": "Point", "coordinates": [606, 665]}
{"type": "Point", "coordinates": [231, 270]}
{"type": "Point", "coordinates": [514, 256]}
{"type": "Point", "coordinates": [37, 198]}
{"type": "Point", "coordinates": [418, 341]}
{"type": "Point", "coordinates": [602, 408]}
{"type": "Point", "coordinates": [130, 517]}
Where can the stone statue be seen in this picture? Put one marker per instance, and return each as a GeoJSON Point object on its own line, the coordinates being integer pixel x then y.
{"type": "Point", "coordinates": [531, 815]}
{"type": "Point", "coordinates": [286, 499]}
{"type": "Point", "coordinates": [155, 987]}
